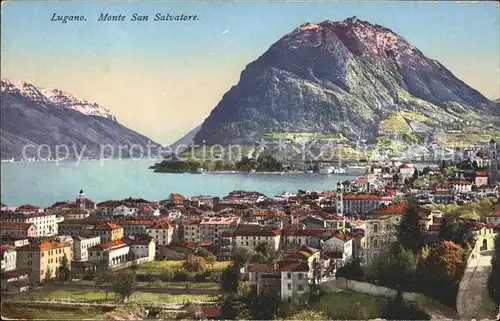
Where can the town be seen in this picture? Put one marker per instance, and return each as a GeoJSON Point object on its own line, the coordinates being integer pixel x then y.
{"type": "Point", "coordinates": [392, 230]}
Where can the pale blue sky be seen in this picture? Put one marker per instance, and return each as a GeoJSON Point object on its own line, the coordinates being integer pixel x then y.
{"type": "Point", "coordinates": [126, 64]}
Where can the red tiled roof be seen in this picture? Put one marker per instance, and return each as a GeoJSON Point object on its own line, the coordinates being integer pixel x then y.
{"type": "Point", "coordinates": [434, 228]}
{"type": "Point", "coordinates": [227, 233]}
{"type": "Point", "coordinates": [260, 268]}
{"type": "Point", "coordinates": [109, 245]}
{"type": "Point", "coordinates": [177, 197]}
{"type": "Point", "coordinates": [393, 209]}
{"type": "Point", "coordinates": [43, 245]}
{"type": "Point", "coordinates": [107, 226]}
{"type": "Point", "coordinates": [296, 267]}
{"type": "Point", "coordinates": [137, 240]}
{"type": "Point", "coordinates": [27, 207]}
{"type": "Point", "coordinates": [360, 197]}
{"type": "Point", "coordinates": [15, 226]}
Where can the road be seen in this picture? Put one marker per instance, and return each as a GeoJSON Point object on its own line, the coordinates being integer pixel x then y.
{"type": "Point", "coordinates": [473, 285]}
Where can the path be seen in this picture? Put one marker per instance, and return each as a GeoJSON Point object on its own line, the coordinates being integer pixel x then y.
{"type": "Point", "coordinates": [473, 285]}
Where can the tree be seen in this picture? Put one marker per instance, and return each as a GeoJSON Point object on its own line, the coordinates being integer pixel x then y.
{"type": "Point", "coordinates": [397, 309]}
{"type": "Point", "coordinates": [232, 308]}
{"type": "Point", "coordinates": [208, 256]}
{"type": "Point", "coordinates": [263, 248]}
{"type": "Point", "coordinates": [415, 174]}
{"type": "Point", "coordinates": [104, 280]}
{"type": "Point", "coordinates": [352, 270]}
{"type": "Point", "coordinates": [264, 306]}
{"type": "Point", "coordinates": [195, 263]}
{"type": "Point", "coordinates": [124, 284]}
{"type": "Point", "coordinates": [150, 278]}
{"type": "Point", "coordinates": [134, 267]}
{"type": "Point", "coordinates": [64, 269]}
{"type": "Point", "coordinates": [230, 279]}
{"type": "Point", "coordinates": [444, 262]}
{"type": "Point", "coordinates": [241, 256]}
{"type": "Point", "coordinates": [494, 278]}
{"type": "Point", "coordinates": [409, 234]}
{"type": "Point", "coordinates": [258, 258]}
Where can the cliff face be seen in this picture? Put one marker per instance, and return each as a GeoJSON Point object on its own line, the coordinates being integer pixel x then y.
{"type": "Point", "coordinates": [34, 116]}
{"type": "Point", "coordinates": [340, 77]}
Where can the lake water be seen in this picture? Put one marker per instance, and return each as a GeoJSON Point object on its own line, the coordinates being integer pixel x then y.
{"type": "Point", "coordinates": [44, 183]}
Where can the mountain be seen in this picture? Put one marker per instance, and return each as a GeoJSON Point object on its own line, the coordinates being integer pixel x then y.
{"type": "Point", "coordinates": [348, 79]}
{"type": "Point", "coordinates": [185, 141]}
{"type": "Point", "coordinates": [32, 116]}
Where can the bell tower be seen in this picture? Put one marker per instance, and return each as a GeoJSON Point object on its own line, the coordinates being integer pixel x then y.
{"type": "Point", "coordinates": [494, 157]}
{"type": "Point", "coordinates": [338, 200]}
{"type": "Point", "coordinates": [80, 201]}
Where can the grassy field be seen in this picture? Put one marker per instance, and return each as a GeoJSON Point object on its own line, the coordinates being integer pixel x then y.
{"type": "Point", "coordinates": [49, 312]}
{"type": "Point", "coordinates": [158, 266]}
{"type": "Point", "coordinates": [161, 298]}
{"type": "Point", "coordinates": [171, 284]}
{"type": "Point", "coordinates": [395, 123]}
{"type": "Point", "coordinates": [74, 295]}
{"type": "Point", "coordinates": [350, 305]}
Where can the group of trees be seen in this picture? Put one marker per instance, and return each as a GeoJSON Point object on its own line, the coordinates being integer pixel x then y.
{"type": "Point", "coordinates": [263, 254]}
{"type": "Point", "coordinates": [260, 164]}
{"type": "Point", "coordinates": [123, 282]}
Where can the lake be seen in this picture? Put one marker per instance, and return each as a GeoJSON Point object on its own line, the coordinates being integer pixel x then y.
{"type": "Point", "coordinates": [44, 183]}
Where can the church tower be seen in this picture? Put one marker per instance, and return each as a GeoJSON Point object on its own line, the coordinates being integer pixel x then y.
{"type": "Point", "coordinates": [339, 201]}
{"type": "Point", "coordinates": [80, 201]}
{"type": "Point", "coordinates": [494, 157]}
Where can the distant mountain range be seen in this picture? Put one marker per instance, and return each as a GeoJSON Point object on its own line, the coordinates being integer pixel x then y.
{"type": "Point", "coordinates": [40, 116]}
{"type": "Point", "coordinates": [348, 79]}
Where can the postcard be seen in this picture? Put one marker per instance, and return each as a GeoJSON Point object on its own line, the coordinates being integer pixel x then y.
{"type": "Point", "coordinates": [250, 160]}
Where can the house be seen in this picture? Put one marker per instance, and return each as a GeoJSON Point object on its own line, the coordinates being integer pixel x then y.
{"type": "Point", "coordinates": [141, 247]}
{"type": "Point", "coordinates": [176, 251]}
{"type": "Point", "coordinates": [106, 208]}
{"type": "Point", "coordinates": [8, 257]}
{"type": "Point", "coordinates": [493, 218]}
{"type": "Point", "coordinates": [45, 222]}
{"type": "Point", "coordinates": [81, 244]}
{"type": "Point", "coordinates": [380, 225]}
{"type": "Point", "coordinates": [135, 226]}
{"type": "Point", "coordinates": [335, 223]}
{"type": "Point", "coordinates": [313, 222]}
{"type": "Point", "coordinates": [124, 210]}
{"type": "Point", "coordinates": [162, 232]}
{"type": "Point", "coordinates": [294, 280]}
{"type": "Point", "coordinates": [359, 203]}
{"type": "Point", "coordinates": [212, 227]}
{"type": "Point", "coordinates": [191, 230]}
{"type": "Point", "coordinates": [251, 236]}
{"type": "Point", "coordinates": [485, 237]}
{"type": "Point", "coordinates": [341, 243]}
{"type": "Point", "coordinates": [108, 232]}
{"type": "Point", "coordinates": [110, 254]}
{"type": "Point", "coordinates": [292, 238]}
{"type": "Point", "coordinates": [462, 186]}
{"type": "Point", "coordinates": [75, 214]}
{"type": "Point", "coordinates": [75, 227]}
{"type": "Point", "coordinates": [14, 241]}
{"type": "Point", "coordinates": [42, 259]}
{"type": "Point", "coordinates": [18, 230]}
{"type": "Point", "coordinates": [481, 177]}
{"type": "Point", "coordinates": [15, 281]}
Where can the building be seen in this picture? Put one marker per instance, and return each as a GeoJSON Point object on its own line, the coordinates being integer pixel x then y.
{"type": "Point", "coordinates": [8, 257]}
{"type": "Point", "coordinates": [380, 227]}
{"type": "Point", "coordinates": [341, 243]}
{"type": "Point", "coordinates": [75, 227]}
{"type": "Point", "coordinates": [18, 230]}
{"type": "Point", "coordinates": [252, 236]}
{"type": "Point", "coordinates": [108, 232]}
{"type": "Point", "coordinates": [45, 222]}
{"type": "Point", "coordinates": [493, 218]}
{"type": "Point", "coordinates": [43, 259]}
{"type": "Point", "coordinates": [124, 210]}
{"type": "Point", "coordinates": [212, 227]}
{"type": "Point", "coordinates": [84, 203]}
{"type": "Point", "coordinates": [110, 254]}
{"type": "Point", "coordinates": [481, 177]}
{"type": "Point", "coordinates": [81, 244]}
{"type": "Point", "coordinates": [162, 232]}
{"type": "Point", "coordinates": [359, 203]}
{"type": "Point", "coordinates": [141, 247]}
{"type": "Point", "coordinates": [191, 231]}
{"type": "Point", "coordinates": [293, 238]}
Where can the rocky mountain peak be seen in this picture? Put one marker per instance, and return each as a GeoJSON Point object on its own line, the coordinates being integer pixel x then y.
{"type": "Point", "coordinates": [55, 97]}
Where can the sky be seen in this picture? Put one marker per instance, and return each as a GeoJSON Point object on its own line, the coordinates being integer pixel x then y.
{"type": "Point", "coordinates": [163, 78]}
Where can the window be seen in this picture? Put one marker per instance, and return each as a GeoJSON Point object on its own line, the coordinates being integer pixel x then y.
{"type": "Point", "coordinates": [289, 275]}
{"type": "Point", "coordinates": [375, 228]}
{"type": "Point", "coordinates": [289, 286]}
{"type": "Point", "coordinates": [301, 287]}
{"type": "Point", "coordinates": [301, 276]}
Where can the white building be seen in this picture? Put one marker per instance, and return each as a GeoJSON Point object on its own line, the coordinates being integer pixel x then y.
{"type": "Point", "coordinates": [141, 247]}
{"type": "Point", "coordinates": [81, 245]}
{"type": "Point", "coordinates": [339, 243]}
{"type": "Point", "coordinates": [212, 227]}
{"type": "Point", "coordinates": [294, 280]}
{"type": "Point", "coordinates": [125, 211]}
{"type": "Point", "coordinates": [251, 236]}
{"type": "Point", "coordinates": [110, 254]}
{"type": "Point", "coordinates": [46, 224]}
{"type": "Point", "coordinates": [8, 256]}
{"type": "Point", "coordinates": [162, 232]}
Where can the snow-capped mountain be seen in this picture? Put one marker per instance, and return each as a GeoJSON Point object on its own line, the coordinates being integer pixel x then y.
{"type": "Point", "coordinates": [55, 97]}
{"type": "Point", "coordinates": [32, 117]}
